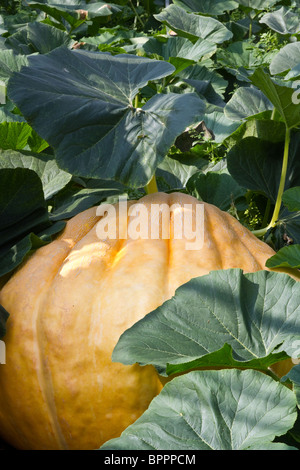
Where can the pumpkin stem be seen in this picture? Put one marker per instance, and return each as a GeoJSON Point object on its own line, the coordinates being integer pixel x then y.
{"type": "Point", "coordinates": [151, 187]}
{"type": "Point", "coordinates": [260, 233]}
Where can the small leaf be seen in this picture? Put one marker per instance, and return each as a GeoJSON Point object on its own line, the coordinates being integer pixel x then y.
{"type": "Point", "coordinates": [213, 410]}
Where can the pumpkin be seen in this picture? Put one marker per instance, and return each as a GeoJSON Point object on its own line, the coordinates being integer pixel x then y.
{"type": "Point", "coordinates": [70, 302]}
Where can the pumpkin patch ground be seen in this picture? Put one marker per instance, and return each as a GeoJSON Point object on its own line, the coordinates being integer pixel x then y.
{"type": "Point", "coordinates": [149, 225]}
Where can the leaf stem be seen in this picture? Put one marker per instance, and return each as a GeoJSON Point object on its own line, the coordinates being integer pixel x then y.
{"type": "Point", "coordinates": [261, 232]}
{"type": "Point", "coordinates": [151, 187]}
{"type": "Point", "coordinates": [136, 14]}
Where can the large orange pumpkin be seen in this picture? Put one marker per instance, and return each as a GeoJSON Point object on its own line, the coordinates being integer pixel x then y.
{"type": "Point", "coordinates": [69, 304]}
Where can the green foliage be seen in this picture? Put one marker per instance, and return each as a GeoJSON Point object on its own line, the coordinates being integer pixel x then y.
{"type": "Point", "coordinates": [98, 98]}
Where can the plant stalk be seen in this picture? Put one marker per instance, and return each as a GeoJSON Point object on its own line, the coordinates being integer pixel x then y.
{"type": "Point", "coordinates": [151, 187]}
{"type": "Point", "coordinates": [261, 232]}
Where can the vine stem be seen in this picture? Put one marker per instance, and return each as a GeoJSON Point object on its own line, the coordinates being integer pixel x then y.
{"type": "Point", "coordinates": [151, 187]}
{"type": "Point", "coordinates": [261, 232]}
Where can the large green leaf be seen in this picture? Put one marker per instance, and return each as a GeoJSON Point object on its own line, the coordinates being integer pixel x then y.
{"type": "Point", "coordinates": [38, 37]}
{"type": "Point", "coordinates": [193, 26]}
{"type": "Point", "coordinates": [53, 178]}
{"type": "Point", "coordinates": [179, 47]}
{"type": "Point", "coordinates": [207, 7]}
{"type": "Point", "coordinates": [225, 318]}
{"type": "Point", "coordinates": [291, 198]}
{"type": "Point", "coordinates": [217, 188]}
{"type": "Point", "coordinates": [81, 103]}
{"type": "Point", "coordinates": [280, 96]}
{"type": "Point", "coordinates": [246, 102]}
{"type": "Point", "coordinates": [283, 21]}
{"type": "Point", "coordinates": [74, 12]}
{"type": "Point", "coordinates": [287, 58]}
{"type": "Point", "coordinates": [213, 410]}
{"type": "Point", "coordinates": [24, 218]}
{"type": "Point", "coordinates": [257, 4]}
{"type": "Point", "coordinates": [10, 62]}
{"type": "Point", "coordinates": [256, 164]}
{"type": "Point", "coordinates": [288, 256]}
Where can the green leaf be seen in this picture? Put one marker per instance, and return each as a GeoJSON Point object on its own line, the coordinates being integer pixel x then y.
{"type": "Point", "coordinates": [52, 177]}
{"type": "Point", "coordinates": [179, 47]}
{"type": "Point", "coordinates": [256, 164]}
{"type": "Point", "coordinates": [91, 122]}
{"type": "Point", "coordinates": [246, 102]}
{"type": "Point", "coordinates": [213, 410]}
{"type": "Point", "coordinates": [193, 26]}
{"type": "Point", "coordinates": [283, 21]}
{"type": "Point", "coordinates": [257, 4]}
{"type": "Point", "coordinates": [291, 199]}
{"type": "Point", "coordinates": [280, 96]}
{"type": "Point", "coordinates": [10, 62]}
{"type": "Point", "coordinates": [257, 126]}
{"type": "Point", "coordinates": [14, 135]}
{"type": "Point", "coordinates": [72, 201]}
{"type": "Point", "coordinates": [256, 314]}
{"type": "Point", "coordinates": [38, 37]}
{"type": "Point", "coordinates": [241, 54]}
{"type": "Point", "coordinates": [294, 376]}
{"type": "Point", "coordinates": [207, 7]}
{"type": "Point", "coordinates": [219, 189]}
{"type": "Point", "coordinates": [70, 12]}
{"type": "Point", "coordinates": [24, 218]}
{"type": "Point", "coordinates": [287, 58]}
{"type": "Point", "coordinates": [288, 256]}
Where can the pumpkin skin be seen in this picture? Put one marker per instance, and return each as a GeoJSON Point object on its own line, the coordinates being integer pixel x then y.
{"type": "Point", "coordinates": [69, 304]}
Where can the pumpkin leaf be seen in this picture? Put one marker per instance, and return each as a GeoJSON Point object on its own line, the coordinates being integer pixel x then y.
{"type": "Point", "coordinates": [213, 410]}
{"type": "Point", "coordinates": [52, 177]}
{"type": "Point", "coordinates": [280, 96]}
{"type": "Point", "coordinates": [217, 188]}
{"type": "Point", "coordinates": [257, 4]}
{"type": "Point", "coordinates": [256, 164]}
{"type": "Point", "coordinates": [291, 198]}
{"type": "Point", "coordinates": [207, 7]}
{"type": "Point", "coordinates": [10, 62]}
{"type": "Point", "coordinates": [193, 26]}
{"type": "Point", "coordinates": [38, 37]}
{"type": "Point", "coordinates": [76, 12]}
{"type": "Point", "coordinates": [24, 218]}
{"type": "Point", "coordinates": [223, 307]}
{"type": "Point", "coordinates": [288, 256]}
{"type": "Point", "coordinates": [92, 124]}
{"type": "Point", "coordinates": [283, 21]}
{"type": "Point", "coordinates": [246, 102]}
{"type": "Point", "coordinates": [286, 59]}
